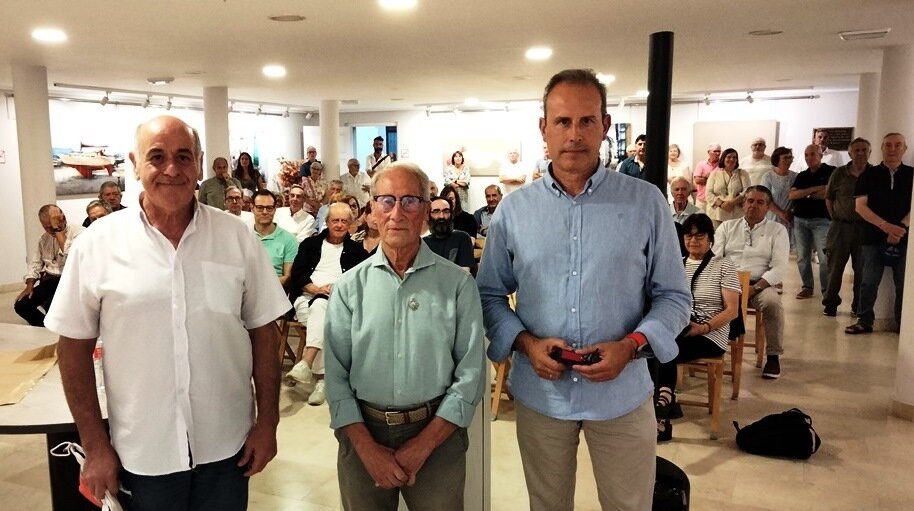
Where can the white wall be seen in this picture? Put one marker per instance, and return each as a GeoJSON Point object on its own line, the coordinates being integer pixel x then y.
{"type": "Point", "coordinates": [12, 236]}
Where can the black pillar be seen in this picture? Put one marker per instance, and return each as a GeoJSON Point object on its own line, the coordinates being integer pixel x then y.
{"type": "Point", "coordinates": [660, 85]}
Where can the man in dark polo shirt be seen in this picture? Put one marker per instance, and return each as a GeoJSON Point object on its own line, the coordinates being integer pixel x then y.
{"type": "Point", "coordinates": [846, 231]}
{"type": "Point", "coordinates": [444, 240]}
{"type": "Point", "coordinates": [884, 201]}
{"type": "Point", "coordinates": [810, 219]}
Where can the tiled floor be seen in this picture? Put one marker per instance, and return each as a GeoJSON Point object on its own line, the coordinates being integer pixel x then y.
{"type": "Point", "coordinates": [845, 383]}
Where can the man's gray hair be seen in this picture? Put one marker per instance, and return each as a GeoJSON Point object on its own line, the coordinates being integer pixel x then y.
{"type": "Point", "coordinates": [339, 207]}
{"type": "Point", "coordinates": [680, 178]}
{"type": "Point", "coordinates": [317, 165]}
{"type": "Point", "coordinates": [106, 185]}
{"type": "Point", "coordinates": [411, 168]}
{"type": "Point", "coordinates": [352, 161]}
{"type": "Point", "coordinates": [45, 210]}
{"type": "Point", "coordinates": [337, 182]}
{"type": "Point", "coordinates": [230, 188]}
{"type": "Point", "coordinates": [97, 203]}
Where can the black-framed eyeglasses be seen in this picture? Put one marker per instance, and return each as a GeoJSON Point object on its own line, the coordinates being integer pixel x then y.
{"type": "Point", "coordinates": [409, 203]}
{"type": "Point", "coordinates": [264, 208]}
{"type": "Point", "coordinates": [700, 236]}
{"type": "Point", "coordinates": [233, 199]}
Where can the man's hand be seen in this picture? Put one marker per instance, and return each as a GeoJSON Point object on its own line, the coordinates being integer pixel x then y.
{"type": "Point", "coordinates": [893, 230]}
{"type": "Point", "coordinates": [100, 471]}
{"type": "Point", "coordinates": [381, 463]}
{"type": "Point", "coordinates": [411, 457]}
{"type": "Point", "coordinates": [537, 350]}
{"type": "Point", "coordinates": [727, 205]}
{"type": "Point", "coordinates": [259, 448]}
{"type": "Point", "coordinates": [700, 180]}
{"type": "Point", "coordinates": [614, 355]}
{"type": "Point", "coordinates": [26, 293]}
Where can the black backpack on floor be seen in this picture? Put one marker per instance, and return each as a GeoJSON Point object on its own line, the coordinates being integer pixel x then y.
{"type": "Point", "coordinates": [671, 487]}
{"type": "Point", "coordinates": [787, 434]}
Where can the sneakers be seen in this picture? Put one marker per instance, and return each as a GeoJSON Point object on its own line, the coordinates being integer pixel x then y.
{"type": "Point", "coordinates": [300, 372]}
{"type": "Point", "coordinates": [804, 294]}
{"type": "Point", "coordinates": [318, 396]}
{"type": "Point", "coordinates": [772, 369]}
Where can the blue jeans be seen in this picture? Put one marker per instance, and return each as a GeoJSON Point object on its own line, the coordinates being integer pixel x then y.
{"type": "Point", "coordinates": [809, 231]}
{"type": "Point", "coordinates": [869, 284]}
{"type": "Point", "coordinates": [217, 486]}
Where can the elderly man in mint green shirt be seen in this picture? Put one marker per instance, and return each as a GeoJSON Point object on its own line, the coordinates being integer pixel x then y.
{"type": "Point", "coordinates": [405, 374]}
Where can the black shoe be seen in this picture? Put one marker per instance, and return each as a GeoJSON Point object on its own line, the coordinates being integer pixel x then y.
{"type": "Point", "coordinates": [772, 369]}
{"type": "Point", "coordinates": [664, 430]}
{"type": "Point", "coordinates": [670, 410]}
{"type": "Point", "coordinates": [830, 311]}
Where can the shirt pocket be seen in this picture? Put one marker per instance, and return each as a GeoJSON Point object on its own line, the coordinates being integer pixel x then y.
{"type": "Point", "coordinates": [223, 287]}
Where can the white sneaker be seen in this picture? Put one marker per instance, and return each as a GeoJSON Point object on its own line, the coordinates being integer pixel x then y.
{"type": "Point", "coordinates": [300, 372]}
{"type": "Point", "coordinates": [318, 396]}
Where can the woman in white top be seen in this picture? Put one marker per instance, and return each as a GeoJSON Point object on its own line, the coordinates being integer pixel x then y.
{"type": "Point", "coordinates": [676, 168]}
{"type": "Point", "coordinates": [715, 303]}
{"type": "Point", "coordinates": [726, 188]}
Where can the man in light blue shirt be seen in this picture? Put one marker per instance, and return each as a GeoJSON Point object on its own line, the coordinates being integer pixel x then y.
{"type": "Point", "coordinates": [404, 361]}
{"type": "Point", "coordinates": [587, 252]}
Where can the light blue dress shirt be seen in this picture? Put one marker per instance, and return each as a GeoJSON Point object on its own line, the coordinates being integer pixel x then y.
{"type": "Point", "coordinates": [584, 268]}
{"type": "Point", "coordinates": [397, 343]}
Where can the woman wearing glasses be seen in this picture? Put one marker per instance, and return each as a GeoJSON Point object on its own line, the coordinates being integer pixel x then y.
{"type": "Point", "coordinates": [715, 303]}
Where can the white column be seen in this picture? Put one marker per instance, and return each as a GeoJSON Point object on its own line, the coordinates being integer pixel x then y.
{"type": "Point", "coordinates": [33, 129]}
{"type": "Point", "coordinates": [868, 108]}
{"type": "Point", "coordinates": [215, 120]}
{"type": "Point", "coordinates": [329, 152]}
{"type": "Point", "coordinates": [896, 114]}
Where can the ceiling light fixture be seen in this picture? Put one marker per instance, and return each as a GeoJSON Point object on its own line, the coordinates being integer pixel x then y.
{"type": "Point", "coordinates": [749, 97]}
{"type": "Point", "coordinates": [286, 18]}
{"type": "Point", "coordinates": [765, 32]}
{"type": "Point", "coordinates": [105, 99]}
{"type": "Point", "coordinates": [707, 100]}
{"type": "Point", "coordinates": [274, 71]}
{"type": "Point", "coordinates": [285, 115]}
{"type": "Point", "coordinates": [259, 109]}
{"type": "Point", "coordinates": [49, 35]}
{"type": "Point", "coordinates": [309, 115]}
{"type": "Point", "coordinates": [428, 110]}
{"type": "Point", "coordinates": [538, 53]}
{"type": "Point", "coordinates": [397, 5]}
{"type": "Point", "coordinates": [168, 104]}
{"type": "Point", "coordinates": [146, 102]}
{"type": "Point", "coordinates": [860, 35]}
{"type": "Point", "coordinates": [231, 106]}
{"type": "Point", "coordinates": [160, 80]}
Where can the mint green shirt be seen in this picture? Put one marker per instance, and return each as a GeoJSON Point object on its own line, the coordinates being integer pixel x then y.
{"type": "Point", "coordinates": [281, 246]}
{"type": "Point", "coordinates": [397, 343]}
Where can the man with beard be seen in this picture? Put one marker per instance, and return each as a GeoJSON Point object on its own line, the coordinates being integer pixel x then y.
{"type": "Point", "coordinates": [212, 190]}
{"type": "Point", "coordinates": [455, 246]}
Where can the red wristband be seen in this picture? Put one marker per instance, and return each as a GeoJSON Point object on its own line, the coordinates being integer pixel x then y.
{"type": "Point", "coordinates": [638, 337]}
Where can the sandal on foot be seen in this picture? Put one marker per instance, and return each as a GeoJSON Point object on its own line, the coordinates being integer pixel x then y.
{"type": "Point", "coordinates": [858, 328]}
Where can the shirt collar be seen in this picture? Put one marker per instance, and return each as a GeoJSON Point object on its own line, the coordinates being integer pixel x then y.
{"type": "Point", "coordinates": [425, 257]}
{"type": "Point", "coordinates": [597, 178]}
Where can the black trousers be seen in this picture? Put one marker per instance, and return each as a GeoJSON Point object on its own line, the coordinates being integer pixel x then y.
{"type": "Point", "coordinates": [690, 348]}
{"type": "Point", "coordinates": [42, 294]}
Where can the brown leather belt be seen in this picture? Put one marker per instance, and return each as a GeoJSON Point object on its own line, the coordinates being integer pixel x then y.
{"type": "Point", "coordinates": [400, 417]}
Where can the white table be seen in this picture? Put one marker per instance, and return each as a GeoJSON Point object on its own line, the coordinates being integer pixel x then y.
{"type": "Point", "coordinates": [44, 411]}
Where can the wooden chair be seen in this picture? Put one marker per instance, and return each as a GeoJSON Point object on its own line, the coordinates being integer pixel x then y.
{"type": "Point", "coordinates": [714, 366]}
{"type": "Point", "coordinates": [286, 324]}
{"type": "Point", "coordinates": [759, 337]}
{"type": "Point", "coordinates": [501, 373]}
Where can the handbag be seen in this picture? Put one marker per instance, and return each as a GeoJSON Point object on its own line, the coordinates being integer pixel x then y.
{"type": "Point", "coordinates": [787, 434]}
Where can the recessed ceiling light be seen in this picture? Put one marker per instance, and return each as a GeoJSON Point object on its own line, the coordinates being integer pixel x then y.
{"type": "Point", "coordinates": [288, 18]}
{"type": "Point", "coordinates": [274, 71]}
{"type": "Point", "coordinates": [765, 32]}
{"type": "Point", "coordinates": [606, 79]}
{"type": "Point", "coordinates": [195, 72]}
{"type": "Point", "coordinates": [160, 80]}
{"type": "Point", "coordinates": [642, 93]}
{"type": "Point", "coordinates": [397, 5]}
{"type": "Point", "coordinates": [858, 35]}
{"type": "Point", "coordinates": [49, 35]}
{"type": "Point", "coordinates": [538, 53]}
{"type": "Point", "coordinates": [396, 99]}
{"type": "Point", "coordinates": [471, 101]}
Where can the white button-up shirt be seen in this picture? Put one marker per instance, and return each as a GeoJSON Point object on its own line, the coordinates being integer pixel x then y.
{"type": "Point", "coordinates": [178, 358]}
{"type": "Point", "coordinates": [763, 250]}
{"type": "Point", "coordinates": [301, 224]}
{"type": "Point", "coordinates": [353, 185]}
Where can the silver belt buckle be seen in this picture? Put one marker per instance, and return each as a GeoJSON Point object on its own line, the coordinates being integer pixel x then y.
{"type": "Point", "coordinates": [388, 415]}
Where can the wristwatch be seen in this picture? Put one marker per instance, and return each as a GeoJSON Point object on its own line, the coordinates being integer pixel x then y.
{"type": "Point", "coordinates": [757, 288]}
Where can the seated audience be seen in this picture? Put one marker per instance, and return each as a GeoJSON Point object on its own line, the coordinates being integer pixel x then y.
{"type": "Point", "coordinates": [46, 265]}
{"type": "Point", "coordinates": [463, 221]}
{"type": "Point", "coordinates": [234, 200]}
{"type": "Point", "coordinates": [455, 246]}
{"type": "Point", "coordinates": [715, 303]}
{"type": "Point", "coordinates": [281, 246]}
{"type": "Point", "coordinates": [212, 190]}
{"type": "Point", "coordinates": [321, 261]}
{"type": "Point", "coordinates": [294, 218]}
{"type": "Point", "coordinates": [96, 209]}
{"type": "Point", "coordinates": [680, 190]}
{"type": "Point", "coordinates": [759, 246]}
{"type": "Point", "coordinates": [484, 214]}
{"type": "Point", "coordinates": [726, 188]}
{"type": "Point", "coordinates": [110, 192]}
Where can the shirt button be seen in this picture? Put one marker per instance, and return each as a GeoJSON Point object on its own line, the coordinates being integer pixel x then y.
{"type": "Point", "coordinates": [573, 310]}
{"type": "Point", "coordinates": [574, 380]}
{"type": "Point", "coordinates": [574, 273]}
{"type": "Point", "coordinates": [574, 238]}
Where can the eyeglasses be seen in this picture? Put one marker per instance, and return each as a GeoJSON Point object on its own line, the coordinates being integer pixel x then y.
{"type": "Point", "coordinates": [409, 203]}
{"type": "Point", "coordinates": [700, 236]}
{"type": "Point", "coordinates": [233, 199]}
{"type": "Point", "coordinates": [264, 208]}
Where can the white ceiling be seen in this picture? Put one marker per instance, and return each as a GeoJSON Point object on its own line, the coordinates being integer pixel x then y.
{"type": "Point", "coordinates": [444, 50]}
